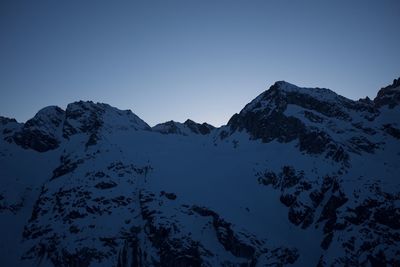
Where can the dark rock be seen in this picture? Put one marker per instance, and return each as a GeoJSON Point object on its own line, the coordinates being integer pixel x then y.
{"type": "Point", "coordinates": [35, 140]}
{"type": "Point", "coordinates": [81, 258]}
{"type": "Point", "coordinates": [362, 213]}
{"type": "Point", "coordinates": [73, 229]}
{"type": "Point", "coordinates": [395, 132]}
{"type": "Point", "coordinates": [230, 242]}
{"type": "Point", "coordinates": [66, 166]}
{"type": "Point", "coordinates": [316, 197]}
{"type": "Point", "coordinates": [378, 260]}
{"type": "Point", "coordinates": [337, 153]}
{"type": "Point", "coordinates": [271, 123]}
{"type": "Point", "coordinates": [287, 199]}
{"type": "Point", "coordinates": [93, 138]}
{"type": "Point", "coordinates": [198, 128]}
{"type": "Point", "coordinates": [334, 202]}
{"type": "Point", "coordinates": [314, 142]}
{"type": "Point", "coordinates": [99, 174]}
{"type": "Point", "coordinates": [223, 134]}
{"type": "Point", "coordinates": [109, 241]}
{"type": "Point", "coordinates": [226, 236]}
{"type": "Point", "coordinates": [389, 216]}
{"type": "Point", "coordinates": [300, 213]}
{"type": "Point", "coordinates": [106, 185]}
{"type": "Point", "coordinates": [313, 117]}
{"type": "Point", "coordinates": [131, 254]}
{"type": "Point", "coordinates": [204, 211]}
{"type": "Point", "coordinates": [5, 120]}
{"type": "Point", "coordinates": [269, 178]}
{"type": "Point", "coordinates": [72, 215]}
{"type": "Point", "coordinates": [170, 196]}
{"type": "Point", "coordinates": [289, 177]}
{"type": "Point", "coordinates": [172, 127]}
{"type": "Point", "coordinates": [41, 132]}
{"type": "Point", "coordinates": [84, 117]}
{"type": "Point", "coordinates": [389, 95]}
{"type": "Point", "coordinates": [361, 143]}
{"type": "Point", "coordinates": [327, 241]}
{"type": "Point", "coordinates": [169, 127]}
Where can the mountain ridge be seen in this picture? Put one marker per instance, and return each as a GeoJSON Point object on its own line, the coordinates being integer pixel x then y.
{"type": "Point", "coordinates": [278, 84]}
{"type": "Point", "coordinates": [299, 177]}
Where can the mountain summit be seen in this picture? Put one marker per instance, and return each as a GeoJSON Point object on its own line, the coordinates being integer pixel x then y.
{"type": "Point", "coordinates": [299, 177]}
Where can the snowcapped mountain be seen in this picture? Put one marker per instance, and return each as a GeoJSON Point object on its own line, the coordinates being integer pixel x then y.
{"type": "Point", "coordinates": [186, 128]}
{"type": "Point", "coordinates": [299, 177]}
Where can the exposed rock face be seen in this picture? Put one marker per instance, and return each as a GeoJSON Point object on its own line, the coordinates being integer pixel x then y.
{"type": "Point", "coordinates": [389, 95]}
{"type": "Point", "coordinates": [8, 127]}
{"type": "Point", "coordinates": [198, 128]}
{"type": "Point", "coordinates": [42, 132]}
{"type": "Point", "coordinates": [89, 119]}
{"type": "Point", "coordinates": [317, 119]}
{"type": "Point", "coordinates": [187, 128]}
{"type": "Point", "coordinates": [169, 127]}
{"type": "Point", "coordinates": [393, 131]}
{"type": "Point", "coordinates": [83, 117]}
{"type": "Point", "coordinates": [300, 177]}
{"type": "Point", "coordinates": [142, 231]}
{"type": "Point", "coordinates": [52, 125]}
{"type": "Point", "coordinates": [5, 120]}
{"type": "Point", "coordinates": [74, 208]}
{"type": "Point", "coordinates": [372, 217]}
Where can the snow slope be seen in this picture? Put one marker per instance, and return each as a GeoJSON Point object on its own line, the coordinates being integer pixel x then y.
{"type": "Point", "coordinates": [300, 177]}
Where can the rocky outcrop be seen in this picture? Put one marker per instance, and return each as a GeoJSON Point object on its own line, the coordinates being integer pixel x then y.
{"type": "Point", "coordinates": [5, 120]}
{"type": "Point", "coordinates": [315, 118]}
{"type": "Point", "coordinates": [169, 127]}
{"type": "Point", "coordinates": [84, 117]}
{"type": "Point", "coordinates": [187, 128]}
{"type": "Point", "coordinates": [111, 195]}
{"type": "Point", "coordinates": [227, 237]}
{"type": "Point", "coordinates": [8, 127]}
{"type": "Point", "coordinates": [51, 125]}
{"type": "Point", "coordinates": [198, 128]}
{"type": "Point", "coordinates": [187, 251]}
{"type": "Point", "coordinates": [42, 132]}
{"type": "Point", "coordinates": [391, 130]}
{"type": "Point", "coordinates": [73, 207]}
{"type": "Point", "coordinates": [363, 230]}
{"type": "Point", "coordinates": [389, 95]}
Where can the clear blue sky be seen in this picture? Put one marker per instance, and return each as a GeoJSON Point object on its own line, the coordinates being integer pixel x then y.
{"type": "Point", "coordinates": [202, 60]}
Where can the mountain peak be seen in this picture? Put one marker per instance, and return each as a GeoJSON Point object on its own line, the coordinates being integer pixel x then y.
{"type": "Point", "coordinates": [42, 132]}
{"type": "Point", "coordinates": [323, 94]}
{"type": "Point", "coordinates": [189, 121]}
{"type": "Point", "coordinates": [198, 128]}
{"type": "Point", "coordinates": [299, 161]}
{"type": "Point", "coordinates": [286, 112]}
{"type": "Point", "coordinates": [395, 84]}
{"type": "Point", "coordinates": [84, 106]}
{"type": "Point", "coordinates": [282, 93]}
{"type": "Point", "coordinates": [284, 85]}
{"type": "Point", "coordinates": [389, 95]}
{"type": "Point", "coordinates": [51, 125]}
{"type": "Point", "coordinates": [89, 117]}
{"type": "Point", "coordinates": [48, 116]}
{"type": "Point", "coordinates": [187, 128]}
{"type": "Point", "coordinates": [5, 120]}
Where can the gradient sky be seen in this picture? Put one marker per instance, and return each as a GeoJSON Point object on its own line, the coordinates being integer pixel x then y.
{"type": "Point", "coordinates": [202, 60]}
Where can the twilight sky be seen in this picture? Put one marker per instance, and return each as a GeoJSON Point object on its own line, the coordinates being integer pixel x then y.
{"type": "Point", "coordinates": [202, 60]}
